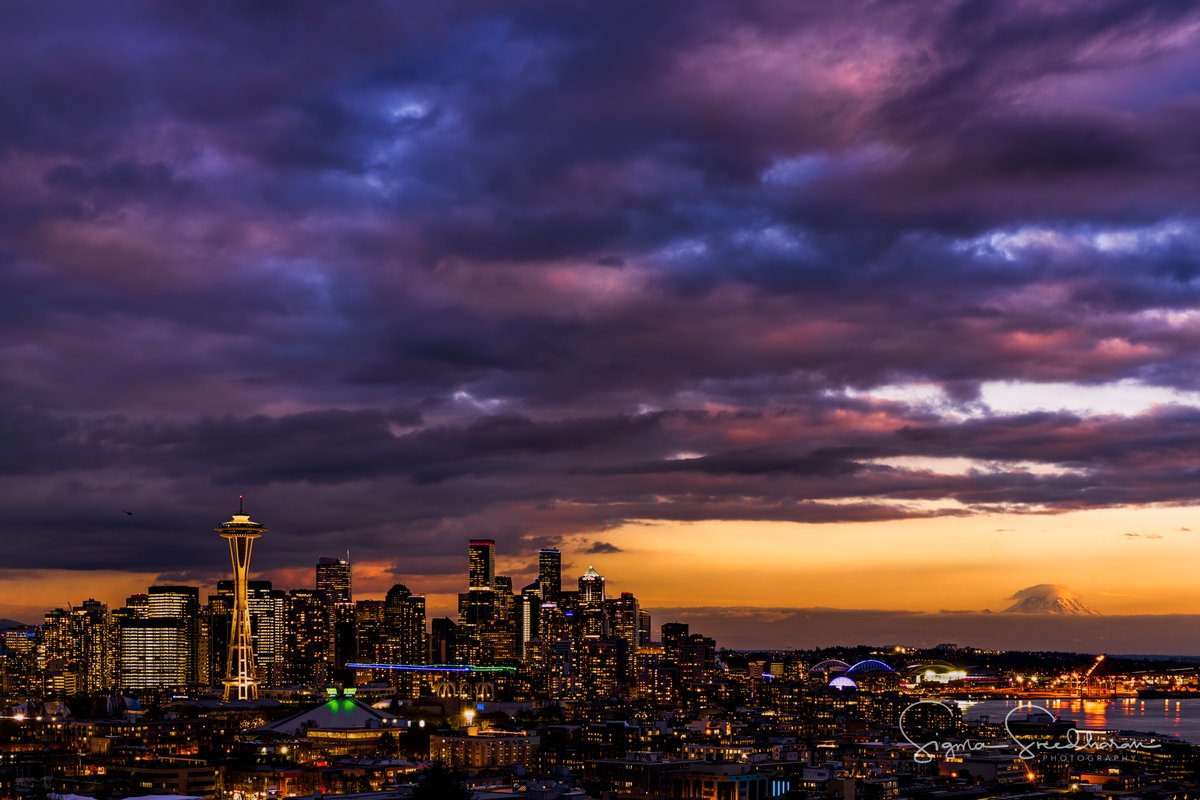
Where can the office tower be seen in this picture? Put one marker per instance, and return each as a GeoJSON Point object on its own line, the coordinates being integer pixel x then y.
{"type": "Point", "coordinates": [334, 579]}
{"type": "Point", "coordinates": [624, 616]}
{"type": "Point", "coordinates": [58, 658]}
{"type": "Point", "coordinates": [369, 631]}
{"type": "Point", "coordinates": [181, 603]}
{"type": "Point", "coordinates": [551, 654]}
{"type": "Point", "coordinates": [654, 679]}
{"type": "Point", "coordinates": [482, 557]}
{"type": "Point", "coordinates": [241, 681]}
{"type": "Point", "coordinates": [443, 641]}
{"type": "Point", "coordinates": [697, 660]}
{"type": "Point", "coordinates": [528, 606]}
{"type": "Point", "coordinates": [306, 637]}
{"type": "Point", "coordinates": [220, 619]}
{"type": "Point", "coordinates": [154, 652]}
{"type": "Point", "coordinates": [345, 640]}
{"type": "Point", "coordinates": [95, 646]}
{"type": "Point", "coordinates": [550, 573]}
{"type": "Point", "coordinates": [591, 587]}
{"type": "Point", "coordinates": [18, 669]}
{"type": "Point", "coordinates": [404, 625]}
{"type": "Point", "coordinates": [478, 607]}
{"type": "Point", "coordinates": [598, 668]}
{"type": "Point", "coordinates": [503, 586]}
{"type": "Point", "coordinates": [204, 667]}
{"type": "Point", "coordinates": [75, 650]}
{"type": "Point", "coordinates": [645, 626]}
{"type": "Point", "coordinates": [138, 605]}
{"type": "Point", "coordinates": [674, 637]}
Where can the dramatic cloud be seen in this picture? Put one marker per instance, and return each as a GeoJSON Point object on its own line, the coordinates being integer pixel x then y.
{"type": "Point", "coordinates": [601, 547]}
{"type": "Point", "coordinates": [408, 275]}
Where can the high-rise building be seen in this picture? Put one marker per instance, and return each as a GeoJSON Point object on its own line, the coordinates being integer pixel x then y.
{"type": "Point", "coordinates": [138, 605]}
{"type": "Point", "coordinates": [674, 638]}
{"type": "Point", "coordinates": [645, 626]}
{"type": "Point", "coordinates": [599, 666]}
{"type": "Point", "coordinates": [624, 615]}
{"type": "Point", "coordinates": [334, 579]}
{"type": "Point", "coordinates": [550, 573]}
{"type": "Point", "coordinates": [528, 606]}
{"type": "Point", "coordinates": [306, 637]}
{"type": "Point", "coordinates": [482, 558]}
{"type": "Point", "coordinates": [404, 626]}
{"type": "Point", "coordinates": [18, 666]}
{"type": "Point", "coordinates": [181, 603]}
{"type": "Point", "coordinates": [443, 641]}
{"type": "Point", "coordinates": [478, 607]}
{"type": "Point", "coordinates": [591, 587]}
{"type": "Point", "coordinates": [504, 595]}
{"type": "Point", "coordinates": [404, 623]}
{"type": "Point", "coordinates": [345, 640]}
{"type": "Point", "coordinates": [154, 653]}
{"type": "Point", "coordinates": [241, 681]}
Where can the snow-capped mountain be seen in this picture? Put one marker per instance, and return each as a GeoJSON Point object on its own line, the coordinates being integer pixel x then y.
{"type": "Point", "coordinates": [1049, 598]}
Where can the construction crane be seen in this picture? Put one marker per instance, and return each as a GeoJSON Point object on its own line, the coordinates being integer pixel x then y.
{"type": "Point", "coordinates": [1087, 676]}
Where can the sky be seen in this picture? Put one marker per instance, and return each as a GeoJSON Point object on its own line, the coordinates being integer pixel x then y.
{"type": "Point", "coordinates": [764, 306]}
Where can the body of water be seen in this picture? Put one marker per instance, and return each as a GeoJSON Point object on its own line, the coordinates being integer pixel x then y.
{"type": "Point", "coordinates": [1179, 718]}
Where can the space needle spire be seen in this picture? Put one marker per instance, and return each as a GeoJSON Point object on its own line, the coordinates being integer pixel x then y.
{"type": "Point", "coordinates": [241, 679]}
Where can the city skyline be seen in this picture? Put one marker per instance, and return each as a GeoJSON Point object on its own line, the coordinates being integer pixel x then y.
{"type": "Point", "coordinates": [1034, 625]}
{"type": "Point", "coordinates": [864, 308]}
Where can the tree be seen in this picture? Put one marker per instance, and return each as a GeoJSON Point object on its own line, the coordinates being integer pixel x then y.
{"type": "Point", "coordinates": [441, 783]}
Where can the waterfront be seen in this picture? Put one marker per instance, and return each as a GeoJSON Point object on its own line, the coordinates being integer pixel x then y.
{"type": "Point", "coordinates": [1179, 718]}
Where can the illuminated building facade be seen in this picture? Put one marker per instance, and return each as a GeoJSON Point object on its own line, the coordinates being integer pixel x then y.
{"type": "Point", "coordinates": [528, 606]}
{"type": "Point", "coordinates": [482, 564]}
{"type": "Point", "coordinates": [18, 661]}
{"type": "Point", "coordinates": [334, 579]}
{"type": "Point", "coordinates": [154, 653]}
{"type": "Point", "coordinates": [306, 637]}
{"type": "Point", "coordinates": [180, 603]}
{"type": "Point", "coordinates": [591, 587]}
{"type": "Point", "coordinates": [404, 634]}
{"type": "Point", "coordinates": [550, 573]}
{"type": "Point", "coordinates": [241, 678]}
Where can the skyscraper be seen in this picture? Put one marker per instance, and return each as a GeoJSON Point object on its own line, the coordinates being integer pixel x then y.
{"type": "Point", "coordinates": [404, 625]}
{"type": "Point", "coordinates": [180, 603]}
{"type": "Point", "coordinates": [550, 573]}
{"type": "Point", "coordinates": [306, 636]}
{"type": "Point", "coordinates": [334, 579]}
{"type": "Point", "coordinates": [154, 653]}
{"type": "Point", "coordinates": [482, 555]}
{"type": "Point", "coordinates": [241, 681]}
{"type": "Point", "coordinates": [528, 606]}
{"type": "Point", "coordinates": [591, 587]}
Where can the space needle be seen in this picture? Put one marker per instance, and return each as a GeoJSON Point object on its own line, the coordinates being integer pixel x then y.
{"type": "Point", "coordinates": [241, 679]}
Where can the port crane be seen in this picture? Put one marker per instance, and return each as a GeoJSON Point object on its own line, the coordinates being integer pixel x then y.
{"type": "Point", "coordinates": [1087, 676]}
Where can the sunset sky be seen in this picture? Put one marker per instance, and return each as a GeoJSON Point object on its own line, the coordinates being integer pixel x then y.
{"type": "Point", "coordinates": [766, 305]}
